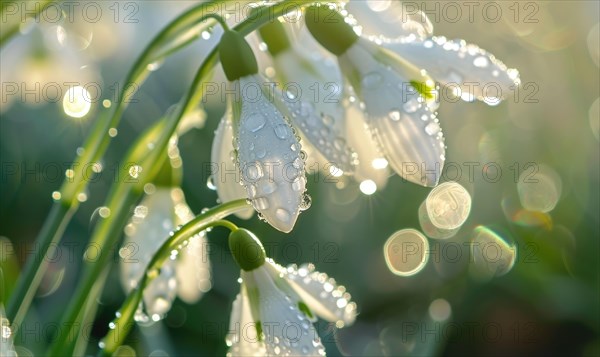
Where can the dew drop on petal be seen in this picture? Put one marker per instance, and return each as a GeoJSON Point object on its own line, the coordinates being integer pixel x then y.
{"type": "Point", "coordinates": [282, 131]}
{"type": "Point", "coordinates": [260, 203]}
{"type": "Point", "coordinates": [254, 122]}
{"type": "Point", "coordinates": [254, 171]}
{"type": "Point", "coordinates": [282, 214]}
{"type": "Point", "coordinates": [432, 128]}
{"type": "Point", "coordinates": [394, 115]}
{"type": "Point", "coordinates": [372, 80]}
{"type": "Point", "coordinates": [481, 62]}
{"type": "Point", "coordinates": [299, 183]}
{"type": "Point", "coordinates": [210, 183]}
{"type": "Point", "coordinates": [306, 202]}
{"type": "Point", "coordinates": [411, 106]}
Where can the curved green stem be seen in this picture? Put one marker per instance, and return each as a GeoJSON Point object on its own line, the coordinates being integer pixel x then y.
{"type": "Point", "coordinates": [219, 19]}
{"type": "Point", "coordinates": [123, 196]}
{"type": "Point", "coordinates": [94, 147]}
{"type": "Point", "coordinates": [120, 327]}
{"type": "Point", "coordinates": [56, 222]}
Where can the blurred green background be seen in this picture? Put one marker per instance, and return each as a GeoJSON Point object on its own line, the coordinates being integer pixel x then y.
{"type": "Point", "coordinates": [548, 304]}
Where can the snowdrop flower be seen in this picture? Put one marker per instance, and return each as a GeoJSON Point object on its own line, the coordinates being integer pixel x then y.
{"type": "Point", "coordinates": [274, 311]}
{"type": "Point", "coordinates": [269, 154]}
{"type": "Point", "coordinates": [390, 19]}
{"type": "Point", "coordinates": [186, 274]}
{"type": "Point", "coordinates": [314, 97]}
{"type": "Point", "coordinates": [471, 72]}
{"type": "Point", "coordinates": [393, 80]}
{"type": "Point", "coordinates": [228, 186]}
{"type": "Point", "coordinates": [372, 165]}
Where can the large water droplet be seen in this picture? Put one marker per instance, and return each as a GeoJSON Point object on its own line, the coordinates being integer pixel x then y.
{"type": "Point", "coordinates": [260, 203]}
{"type": "Point", "coordinates": [305, 109]}
{"type": "Point", "coordinates": [267, 188]}
{"type": "Point", "coordinates": [261, 152]}
{"type": "Point", "coordinates": [394, 115]}
{"type": "Point", "coordinates": [327, 120]}
{"type": "Point", "coordinates": [254, 122]}
{"type": "Point", "coordinates": [432, 128]}
{"type": "Point", "coordinates": [251, 189]}
{"type": "Point", "coordinates": [210, 183]}
{"type": "Point", "coordinates": [282, 214]}
{"type": "Point", "coordinates": [306, 202]}
{"type": "Point", "coordinates": [372, 80]}
{"type": "Point", "coordinates": [254, 171]}
{"type": "Point", "coordinates": [299, 184]}
{"type": "Point", "coordinates": [282, 131]}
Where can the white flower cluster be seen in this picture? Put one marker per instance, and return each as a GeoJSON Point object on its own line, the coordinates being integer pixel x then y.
{"type": "Point", "coordinates": [375, 109]}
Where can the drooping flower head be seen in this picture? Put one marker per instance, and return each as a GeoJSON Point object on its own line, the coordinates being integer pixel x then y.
{"type": "Point", "coordinates": [274, 311]}
{"type": "Point", "coordinates": [313, 97]}
{"type": "Point", "coordinates": [268, 151]}
{"type": "Point", "coordinates": [394, 80]}
{"type": "Point", "coordinates": [187, 274]}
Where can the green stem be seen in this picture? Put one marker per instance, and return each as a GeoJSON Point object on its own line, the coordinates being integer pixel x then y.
{"type": "Point", "coordinates": [120, 327]}
{"type": "Point", "coordinates": [87, 317]}
{"type": "Point", "coordinates": [32, 275]}
{"type": "Point", "coordinates": [11, 30]}
{"type": "Point", "coordinates": [220, 20]}
{"type": "Point", "coordinates": [122, 196]}
{"type": "Point", "coordinates": [106, 236]}
{"type": "Point", "coordinates": [94, 148]}
{"type": "Point", "coordinates": [56, 222]}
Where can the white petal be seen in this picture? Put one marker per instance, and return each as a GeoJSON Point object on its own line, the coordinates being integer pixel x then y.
{"type": "Point", "coordinates": [456, 64]}
{"type": "Point", "coordinates": [146, 232]}
{"type": "Point", "coordinates": [314, 101]}
{"type": "Point", "coordinates": [193, 270]}
{"type": "Point", "coordinates": [7, 348]}
{"type": "Point", "coordinates": [391, 19]}
{"type": "Point", "coordinates": [242, 337]}
{"type": "Point", "coordinates": [407, 132]}
{"type": "Point", "coordinates": [148, 229]}
{"type": "Point", "coordinates": [372, 164]}
{"type": "Point", "coordinates": [271, 166]}
{"type": "Point", "coordinates": [286, 329]}
{"type": "Point", "coordinates": [320, 293]}
{"type": "Point", "coordinates": [160, 293]}
{"type": "Point", "coordinates": [193, 267]}
{"type": "Point", "coordinates": [225, 175]}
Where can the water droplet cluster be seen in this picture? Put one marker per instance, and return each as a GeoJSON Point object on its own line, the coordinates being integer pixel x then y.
{"type": "Point", "coordinates": [270, 161]}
